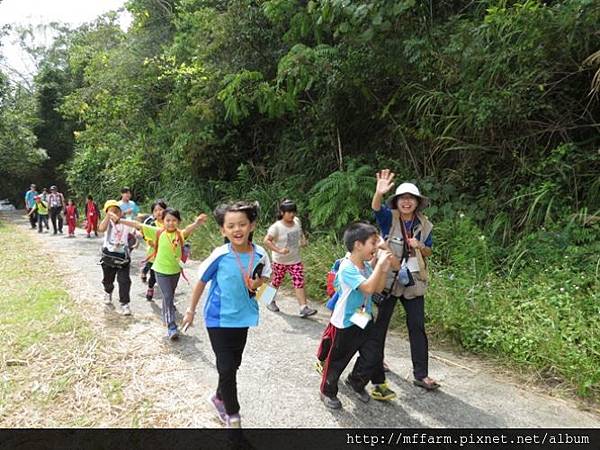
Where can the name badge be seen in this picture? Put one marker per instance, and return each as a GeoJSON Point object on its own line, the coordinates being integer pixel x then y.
{"type": "Point", "coordinates": [360, 318]}
{"type": "Point", "coordinates": [266, 293]}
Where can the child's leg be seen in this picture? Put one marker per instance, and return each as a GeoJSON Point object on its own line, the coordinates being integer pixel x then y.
{"type": "Point", "coordinates": [124, 284]}
{"type": "Point", "coordinates": [88, 225]}
{"type": "Point", "coordinates": [373, 362]}
{"type": "Point", "coordinates": [277, 274]}
{"type": "Point", "coordinates": [346, 342]}
{"type": "Point", "coordinates": [168, 284]}
{"type": "Point", "coordinates": [39, 221]}
{"type": "Point", "coordinates": [297, 273]}
{"type": "Point", "coordinates": [45, 220]}
{"type": "Point", "coordinates": [108, 278]}
{"type": "Point", "coordinates": [151, 278]}
{"type": "Point", "coordinates": [228, 345]}
{"type": "Point", "coordinates": [33, 219]}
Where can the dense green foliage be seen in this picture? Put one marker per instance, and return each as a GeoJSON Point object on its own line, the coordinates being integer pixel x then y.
{"type": "Point", "coordinates": [489, 106]}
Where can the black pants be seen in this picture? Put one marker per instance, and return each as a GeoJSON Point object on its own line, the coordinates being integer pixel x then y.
{"type": "Point", "coordinates": [346, 342]}
{"type": "Point", "coordinates": [55, 215]}
{"type": "Point", "coordinates": [419, 347]}
{"type": "Point", "coordinates": [373, 364]}
{"type": "Point", "coordinates": [123, 279]}
{"type": "Point", "coordinates": [152, 278]}
{"type": "Point", "coordinates": [32, 218]}
{"type": "Point", "coordinates": [228, 345]}
{"type": "Point", "coordinates": [42, 220]}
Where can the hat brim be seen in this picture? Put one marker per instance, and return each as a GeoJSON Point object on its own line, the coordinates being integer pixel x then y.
{"type": "Point", "coordinates": [423, 201]}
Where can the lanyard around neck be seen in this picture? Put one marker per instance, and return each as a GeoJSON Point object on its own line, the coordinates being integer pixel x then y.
{"type": "Point", "coordinates": [245, 273]}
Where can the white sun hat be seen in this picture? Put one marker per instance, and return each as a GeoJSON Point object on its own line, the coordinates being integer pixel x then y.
{"type": "Point", "coordinates": [409, 188]}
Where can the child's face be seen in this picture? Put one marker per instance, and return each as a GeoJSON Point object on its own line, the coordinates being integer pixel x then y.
{"type": "Point", "coordinates": [288, 216]}
{"type": "Point", "coordinates": [115, 210]}
{"type": "Point", "coordinates": [367, 250]}
{"type": "Point", "coordinates": [171, 222]}
{"type": "Point", "coordinates": [237, 228]}
{"type": "Point", "coordinates": [157, 212]}
{"type": "Point", "coordinates": [70, 203]}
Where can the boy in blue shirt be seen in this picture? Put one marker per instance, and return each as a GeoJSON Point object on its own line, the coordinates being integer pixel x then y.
{"type": "Point", "coordinates": [352, 321]}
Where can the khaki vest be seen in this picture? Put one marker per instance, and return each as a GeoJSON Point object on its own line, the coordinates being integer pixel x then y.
{"type": "Point", "coordinates": [422, 229]}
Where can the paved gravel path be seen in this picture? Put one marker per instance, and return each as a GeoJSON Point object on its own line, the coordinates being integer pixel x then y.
{"type": "Point", "coordinates": [277, 384]}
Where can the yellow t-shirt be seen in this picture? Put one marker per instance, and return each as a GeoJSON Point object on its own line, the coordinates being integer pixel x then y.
{"type": "Point", "coordinates": [168, 255]}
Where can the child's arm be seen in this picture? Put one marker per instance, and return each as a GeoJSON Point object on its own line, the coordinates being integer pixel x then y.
{"type": "Point", "coordinates": [188, 317]}
{"type": "Point", "coordinates": [129, 223]}
{"type": "Point", "coordinates": [200, 220]}
{"type": "Point", "coordinates": [268, 241]}
{"type": "Point", "coordinates": [376, 282]}
{"type": "Point", "coordinates": [104, 224]}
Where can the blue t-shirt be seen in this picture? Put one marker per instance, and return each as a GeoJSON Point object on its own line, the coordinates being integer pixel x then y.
{"type": "Point", "coordinates": [384, 219]}
{"type": "Point", "coordinates": [130, 210]}
{"type": "Point", "coordinates": [29, 201]}
{"type": "Point", "coordinates": [347, 282]}
{"type": "Point", "coordinates": [228, 304]}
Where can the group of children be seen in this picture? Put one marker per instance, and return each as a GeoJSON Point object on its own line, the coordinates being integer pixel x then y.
{"type": "Point", "coordinates": [235, 271]}
{"type": "Point", "coordinates": [44, 205]}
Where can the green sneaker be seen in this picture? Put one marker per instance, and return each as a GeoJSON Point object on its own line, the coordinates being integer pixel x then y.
{"type": "Point", "coordinates": [319, 367]}
{"type": "Point", "coordinates": [382, 393]}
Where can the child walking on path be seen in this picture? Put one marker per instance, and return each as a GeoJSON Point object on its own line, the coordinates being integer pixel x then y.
{"type": "Point", "coordinates": [235, 271]}
{"type": "Point", "coordinates": [92, 216]}
{"type": "Point", "coordinates": [168, 251]}
{"type": "Point", "coordinates": [284, 239]}
{"type": "Point", "coordinates": [71, 216]}
{"type": "Point", "coordinates": [155, 220]}
{"type": "Point", "coordinates": [40, 208]}
{"type": "Point", "coordinates": [352, 315]}
{"type": "Point", "coordinates": [115, 256]}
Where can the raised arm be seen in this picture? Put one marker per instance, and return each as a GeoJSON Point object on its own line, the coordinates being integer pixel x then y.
{"type": "Point", "coordinates": [129, 223]}
{"type": "Point", "coordinates": [200, 220]}
{"type": "Point", "coordinates": [384, 184]}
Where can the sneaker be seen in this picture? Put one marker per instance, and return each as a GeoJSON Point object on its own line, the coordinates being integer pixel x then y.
{"type": "Point", "coordinates": [173, 333]}
{"type": "Point", "coordinates": [331, 402]}
{"type": "Point", "coordinates": [382, 393]}
{"type": "Point", "coordinates": [219, 407]}
{"type": "Point", "coordinates": [149, 294]}
{"type": "Point", "coordinates": [273, 306]}
{"type": "Point", "coordinates": [307, 311]}
{"type": "Point", "coordinates": [107, 298]}
{"type": "Point", "coordinates": [88, 236]}
{"type": "Point", "coordinates": [233, 421]}
{"type": "Point", "coordinates": [362, 395]}
{"type": "Point", "coordinates": [125, 310]}
{"type": "Point", "coordinates": [319, 367]}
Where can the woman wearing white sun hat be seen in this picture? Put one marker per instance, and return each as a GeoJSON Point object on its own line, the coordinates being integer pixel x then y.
{"type": "Point", "coordinates": [407, 233]}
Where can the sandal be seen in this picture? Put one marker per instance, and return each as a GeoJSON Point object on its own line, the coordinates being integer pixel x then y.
{"type": "Point", "coordinates": [431, 385]}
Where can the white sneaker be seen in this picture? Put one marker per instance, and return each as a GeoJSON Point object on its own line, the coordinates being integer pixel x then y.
{"type": "Point", "coordinates": [125, 310]}
{"type": "Point", "coordinates": [107, 298]}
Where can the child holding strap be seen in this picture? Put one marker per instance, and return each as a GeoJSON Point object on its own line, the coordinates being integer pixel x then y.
{"type": "Point", "coordinates": [40, 209]}
{"type": "Point", "coordinates": [235, 271]}
{"type": "Point", "coordinates": [168, 250]}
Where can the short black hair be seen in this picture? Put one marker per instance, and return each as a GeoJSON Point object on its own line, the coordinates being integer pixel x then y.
{"type": "Point", "coordinates": [250, 209]}
{"type": "Point", "coordinates": [160, 202]}
{"type": "Point", "coordinates": [173, 212]}
{"type": "Point", "coordinates": [125, 190]}
{"type": "Point", "coordinates": [286, 206]}
{"type": "Point", "coordinates": [358, 231]}
{"type": "Point", "coordinates": [89, 197]}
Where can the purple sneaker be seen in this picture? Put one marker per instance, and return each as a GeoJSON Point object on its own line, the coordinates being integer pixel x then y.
{"type": "Point", "coordinates": [233, 421]}
{"type": "Point", "coordinates": [219, 407]}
